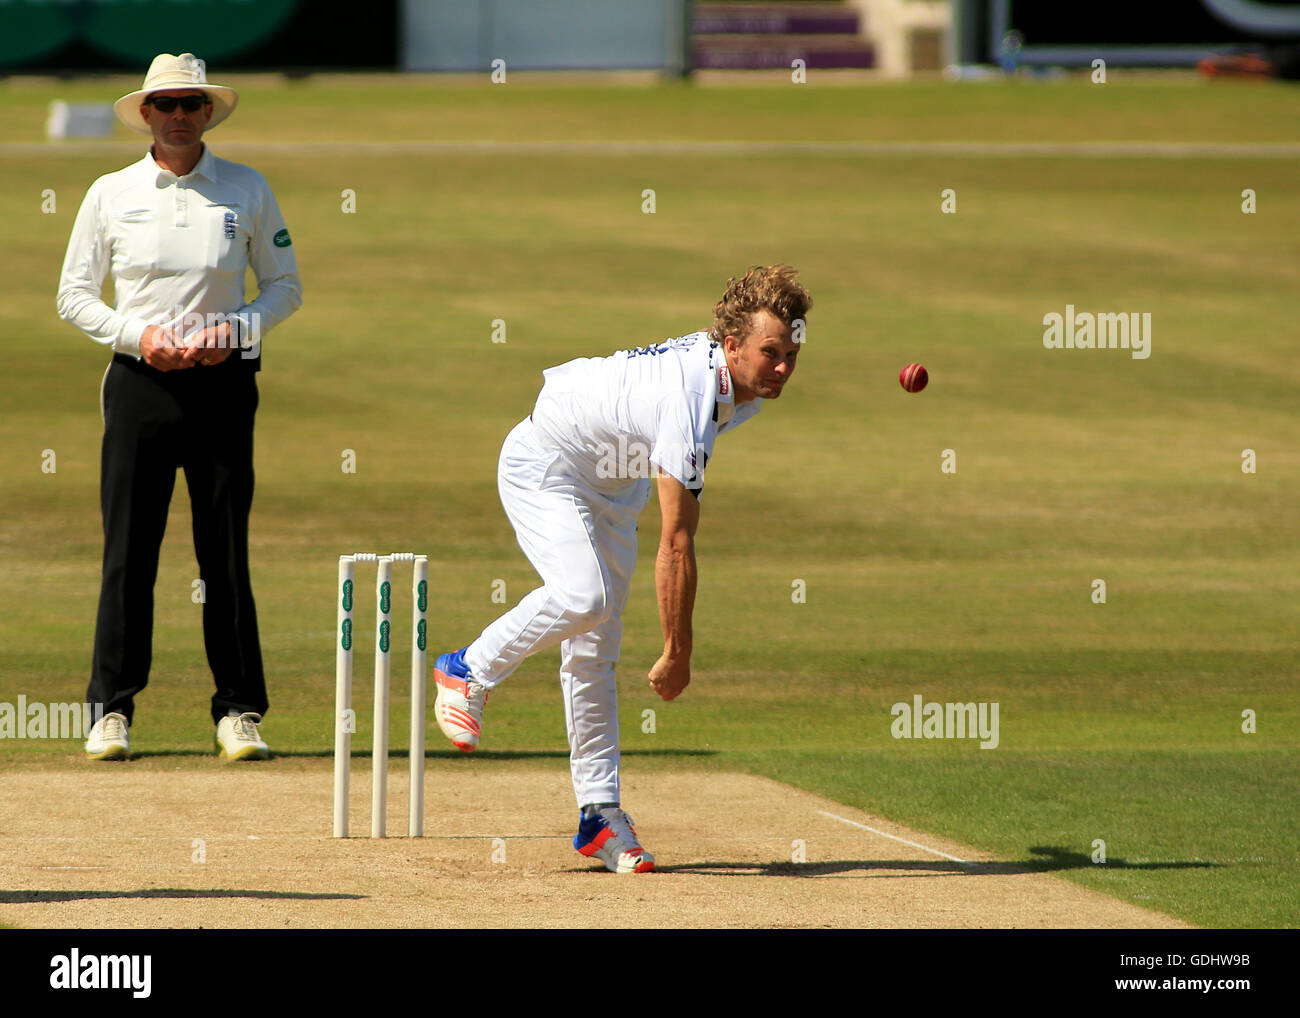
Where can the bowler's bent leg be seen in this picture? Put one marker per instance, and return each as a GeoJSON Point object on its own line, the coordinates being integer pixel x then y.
{"type": "Point", "coordinates": [555, 523]}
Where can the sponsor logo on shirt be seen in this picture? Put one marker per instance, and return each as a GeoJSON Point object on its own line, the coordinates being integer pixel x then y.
{"type": "Point", "coordinates": [230, 226]}
{"type": "Point", "coordinates": [281, 239]}
{"type": "Point", "coordinates": [681, 343]}
{"type": "Point", "coordinates": [724, 380]}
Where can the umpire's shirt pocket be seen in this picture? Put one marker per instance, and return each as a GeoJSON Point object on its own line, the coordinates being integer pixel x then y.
{"type": "Point", "coordinates": [135, 242]}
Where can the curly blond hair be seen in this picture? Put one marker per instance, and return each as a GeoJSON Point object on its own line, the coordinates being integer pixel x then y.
{"type": "Point", "coordinates": [771, 288]}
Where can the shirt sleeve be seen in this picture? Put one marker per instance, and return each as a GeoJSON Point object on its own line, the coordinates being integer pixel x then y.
{"type": "Point", "coordinates": [677, 452]}
{"type": "Point", "coordinates": [85, 267]}
{"type": "Point", "coordinates": [276, 268]}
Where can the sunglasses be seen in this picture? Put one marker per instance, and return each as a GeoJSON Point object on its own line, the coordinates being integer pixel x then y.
{"type": "Point", "coordinates": [167, 103]}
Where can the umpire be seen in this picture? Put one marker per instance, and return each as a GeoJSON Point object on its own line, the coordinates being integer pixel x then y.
{"type": "Point", "coordinates": [177, 231]}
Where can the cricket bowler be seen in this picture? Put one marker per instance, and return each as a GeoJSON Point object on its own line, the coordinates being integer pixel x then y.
{"type": "Point", "coordinates": [574, 476]}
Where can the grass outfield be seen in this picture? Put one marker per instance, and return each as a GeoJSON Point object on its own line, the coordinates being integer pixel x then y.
{"type": "Point", "coordinates": [1119, 721]}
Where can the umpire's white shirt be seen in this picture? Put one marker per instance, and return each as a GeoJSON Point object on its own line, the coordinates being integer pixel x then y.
{"type": "Point", "coordinates": [178, 249]}
{"type": "Point", "coordinates": [662, 405]}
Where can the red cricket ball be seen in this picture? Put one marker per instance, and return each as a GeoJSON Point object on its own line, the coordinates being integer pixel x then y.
{"type": "Point", "coordinates": [913, 378]}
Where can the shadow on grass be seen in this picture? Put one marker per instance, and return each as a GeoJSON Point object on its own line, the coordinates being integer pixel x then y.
{"type": "Point", "coordinates": [1050, 859]}
{"type": "Point", "coordinates": [54, 897]}
{"type": "Point", "coordinates": [429, 754]}
{"type": "Point", "coordinates": [1055, 858]}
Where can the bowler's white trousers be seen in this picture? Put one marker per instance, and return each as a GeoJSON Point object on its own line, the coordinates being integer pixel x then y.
{"type": "Point", "coordinates": [582, 543]}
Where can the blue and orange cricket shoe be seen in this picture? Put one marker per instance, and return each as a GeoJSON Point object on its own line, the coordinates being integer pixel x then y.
{"type": "Point", "coordinates": [606, 833]}
{"type": "Point", "coordinates": [460, 702]}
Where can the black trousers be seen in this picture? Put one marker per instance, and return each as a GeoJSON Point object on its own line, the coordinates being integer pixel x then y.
{"type": "Point", "coordinates": [201, 420]}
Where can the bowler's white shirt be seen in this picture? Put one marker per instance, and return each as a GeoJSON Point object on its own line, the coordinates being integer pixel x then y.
{"type": "Point", "coordinates": [664, 405]}
{"type": "Point", "coordinates": [177, 249]}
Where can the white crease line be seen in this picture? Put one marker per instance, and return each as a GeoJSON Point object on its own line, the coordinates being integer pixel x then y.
{"type": "Point", "coordinates": [74, 867]}
{"type": "Point", "coordinates": [894, 837]}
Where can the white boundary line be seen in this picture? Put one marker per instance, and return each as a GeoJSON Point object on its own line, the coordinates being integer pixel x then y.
{"type": "Point", "coordinates": [722, 149]}
{"type": "Point", "coordinates": [894, 837]}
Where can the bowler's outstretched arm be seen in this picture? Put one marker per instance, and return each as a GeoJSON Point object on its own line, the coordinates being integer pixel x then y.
{"type": "Point", "coordinates": [675, 580]}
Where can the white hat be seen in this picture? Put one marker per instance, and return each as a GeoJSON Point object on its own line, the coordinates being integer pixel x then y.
{"type": "Point", "coordinates": [169, 71]}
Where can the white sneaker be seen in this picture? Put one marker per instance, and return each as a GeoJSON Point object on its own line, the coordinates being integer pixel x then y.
{"type": "Point", "coordinates": [237, 738]}
{"type": "Point", "coordinates": [107, 739]}
{"type": "Point", "coordinates": [608, 835]}
{"type": "Point", "coordinates": [459, 703]}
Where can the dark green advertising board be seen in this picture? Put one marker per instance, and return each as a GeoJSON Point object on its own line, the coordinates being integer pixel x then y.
{"type": "Point", "coordinates": [92, 34]}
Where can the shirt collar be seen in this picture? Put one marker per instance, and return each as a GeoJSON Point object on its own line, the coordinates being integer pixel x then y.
{"type": "Point", "coordinates": [726, 390]}
{"type": "Point", "coordinates": [205, 167]}
{"type": "Point", "coordinates": [726, 414]}
{"type": "Point", "coordinates": [724, 406]}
